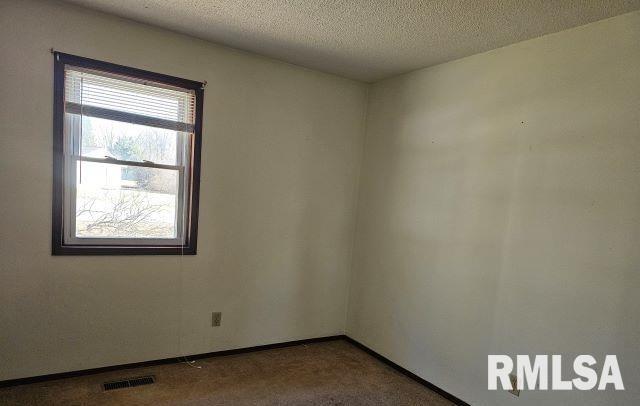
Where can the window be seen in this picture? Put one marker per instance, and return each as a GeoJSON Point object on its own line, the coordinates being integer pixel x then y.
{"type": "Point", "coordinates": [126, 160]}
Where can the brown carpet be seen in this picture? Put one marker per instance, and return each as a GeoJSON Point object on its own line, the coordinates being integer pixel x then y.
{"type": "Point", "coordinates": [326, 373]}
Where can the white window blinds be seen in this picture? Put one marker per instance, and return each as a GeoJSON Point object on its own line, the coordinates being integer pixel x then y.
{"type": "Point", "coordinates": [127, 99]}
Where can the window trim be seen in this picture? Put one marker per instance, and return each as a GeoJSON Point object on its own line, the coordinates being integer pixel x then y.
{"type": "Point", "coordinates": [59, 247]}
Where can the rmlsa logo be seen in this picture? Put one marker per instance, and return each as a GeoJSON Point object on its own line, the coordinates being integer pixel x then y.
{"type": "Point", "coordinates": [536, 376]}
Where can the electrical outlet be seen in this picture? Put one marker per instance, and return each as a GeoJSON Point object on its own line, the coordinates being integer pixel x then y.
{"type": "Point", "coordinates": [216, 319]}
{"type": "Point", "coordinates": [514, 384]}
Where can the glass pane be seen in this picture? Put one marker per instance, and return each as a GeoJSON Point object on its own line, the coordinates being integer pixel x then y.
{"type": "Point", "coordinates": [130, 142]}
{"type": "Point", "coordinates": [115, 201]}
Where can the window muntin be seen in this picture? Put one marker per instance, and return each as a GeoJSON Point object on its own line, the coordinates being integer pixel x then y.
{"type": "Point", "coordinates": [129, 145]}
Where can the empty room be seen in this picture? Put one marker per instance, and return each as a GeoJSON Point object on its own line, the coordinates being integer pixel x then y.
{"type": "Point", "coordinates": [320, 202]}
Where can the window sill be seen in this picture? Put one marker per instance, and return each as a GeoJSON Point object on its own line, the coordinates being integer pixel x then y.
{"type": "Point", "coordinates": [121, 250]}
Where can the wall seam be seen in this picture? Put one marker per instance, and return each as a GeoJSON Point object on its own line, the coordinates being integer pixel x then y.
{"type": "Point", "coordinates": [356, 211]}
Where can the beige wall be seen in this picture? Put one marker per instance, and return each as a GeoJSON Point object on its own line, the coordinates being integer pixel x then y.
{"type": "Point", "coordinates": [281, 154]}
{"type": "Point", "coordinates": [499, 212]}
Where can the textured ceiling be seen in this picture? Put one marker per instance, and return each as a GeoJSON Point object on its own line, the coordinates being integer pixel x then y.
{"type": "Point", "coordinates": [365, 40]}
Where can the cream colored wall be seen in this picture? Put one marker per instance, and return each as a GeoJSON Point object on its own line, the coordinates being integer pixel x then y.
{"type": "Point", "coordinates": [280, 158]}
{"type": "Point", "coordinates": [499, 212]}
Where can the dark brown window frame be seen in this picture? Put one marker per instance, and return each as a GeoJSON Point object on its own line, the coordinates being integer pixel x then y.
{"type": "Point", "coordinates": [58, 246]}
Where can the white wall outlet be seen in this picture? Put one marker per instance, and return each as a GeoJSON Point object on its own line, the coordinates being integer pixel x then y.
{"type": "Point", "coordinates": [216, 319]}
{"type": "Point", "coordinates": [514, 384]}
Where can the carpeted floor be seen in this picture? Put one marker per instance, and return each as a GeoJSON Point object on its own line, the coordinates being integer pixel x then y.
{"type": "Point", "coordinates": [326, 373]}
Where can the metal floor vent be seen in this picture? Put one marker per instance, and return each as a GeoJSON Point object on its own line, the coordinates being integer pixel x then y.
{"type": "Point", "coordinates": [129, 383]}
